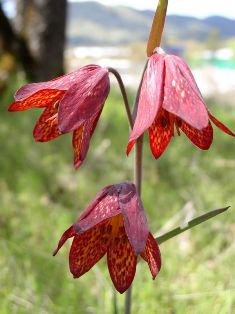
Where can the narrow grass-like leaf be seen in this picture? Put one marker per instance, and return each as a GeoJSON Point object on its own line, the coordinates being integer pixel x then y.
{"type": "Point", "coordinates": [190, 224]}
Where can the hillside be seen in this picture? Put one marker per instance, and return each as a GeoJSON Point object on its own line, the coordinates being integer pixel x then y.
{"type": "Point", "coordinates": [91, 23]}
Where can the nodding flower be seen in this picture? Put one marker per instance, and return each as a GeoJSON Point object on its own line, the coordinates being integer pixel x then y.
{"type": "Point", "coordinates": [114, 223]}
{"type": "Point", "coordinates": [170, 99]}
{"type": "Point", "coordinates": [73, 103]}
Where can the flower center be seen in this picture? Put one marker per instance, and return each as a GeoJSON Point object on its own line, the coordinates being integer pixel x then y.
{"type": "Point", "coordinates": [178, 122]}
{"type": "Point", "coordinates": [164, 122]}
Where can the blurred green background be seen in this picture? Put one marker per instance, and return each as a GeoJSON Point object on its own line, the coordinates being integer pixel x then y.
{"type": "Point", "coordinates": [41, 196]}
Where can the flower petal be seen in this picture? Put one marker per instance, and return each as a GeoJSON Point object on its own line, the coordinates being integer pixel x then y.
{"type": "Point", "coordinates": [62, 83]}
{"type": "Point", "coordinates": [83, 101]}
{"type": "Point", "coordinates": [78, 146]}
{"type": "Point", "coordinates": [160, 133]}
{"type": "Point", "coordinates": [42, 98]}
{"type": "Point", "coordinates": [66, 235]}
{"type": "Point", "coordinates": [46, 128]}
{"type": "Point", "coordinates": [135, 221]}
{"type": "Point", "coordinates": [81, 139]}
{"type": "Point", "coordinates": [181, 95]}
{"type": "Point", "coordinates": [151, 97]}
{"type": "Point", "coordinates": [220, 125]}
{"type": "Point", "coordinates": [152, 255]}
{"type": "Point", "coordinates": [188, 75]}
{"type": "Point", "coordinates": [201, 139]}
{"type": "Point", "coordinates": [121, 261]}
{"type": "Point", "coordinates": [130, 146]}
{"type": "Point", "coordinates": [104, 206]}
{"type": "Point", "coordinates": [88, 248]}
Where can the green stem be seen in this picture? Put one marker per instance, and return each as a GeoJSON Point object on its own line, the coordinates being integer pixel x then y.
{"type": "Point", "coordinates": [138, 184]}
{"type": "Point", "coordinates": [115, 305]}
{"type": "Point", "coordinates": [137, 177]}
{"type": "Point", "coordinates": [138, 93]}
{"type": "Point", "coordinates": [155, 35]}
{"type": "Point", "coordinates": [190, 224]}
{"type": "Point", "coordinates": [124, 94]}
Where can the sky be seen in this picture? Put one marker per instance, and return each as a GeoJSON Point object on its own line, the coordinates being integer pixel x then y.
{"type": "Point", "coordinates": [196, 8]}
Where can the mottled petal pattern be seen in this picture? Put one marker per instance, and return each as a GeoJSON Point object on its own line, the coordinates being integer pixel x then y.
{"type": "Point", "coordinates": [66, 235]}
{"type": "Point", "coordinates": [201, 139]}
{"type": "Point", "coordinates": [160, 133]}
{"type": "Point", "coordinates": [88, 248]}
{"type": "Point", "coordinates": [180, 98]}
{"type": "Point", "coordinates": [104, 206]}
{"type": "Point", "coordinates": [135, 221]}
{"type": "Point", "coordinates": [151, 97]}
{"type": "Point", "coordinates": [77, 146]}
{"type": "Point", "coordinates": [152, 255]}
{"type": "Point", "coordinates": [121, 261]}
{"type": "Point", "coordinates": [188, 75]}
{"type": "Point", "coordinates": [81, 139]}
{"type": "Point", "coordinates": [130, 146]}
{"type": "Point", "coordinates": [61, 83]}
{"type": "Point", "coordinates": [46, 128]}
{"type": "Point", "coordinates": [83, 101]}
{"type": "Point", "coordinates": [42, 98]}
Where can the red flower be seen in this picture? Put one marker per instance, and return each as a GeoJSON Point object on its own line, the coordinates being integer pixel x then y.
{"type": "Point", "coordinates": [73, 102]}
{"type": "Point", "coordinates": [170, 97]}
{"type": "Point", "coordinates": [115, 223]}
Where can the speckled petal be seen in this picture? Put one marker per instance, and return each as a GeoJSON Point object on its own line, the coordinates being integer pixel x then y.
{"type": "Point", "coordinates": [201, 139]}
{"type": "Point", "coordinates": [152, 255]}
{"type": "Point", "coordinates": [135, 221]}
{"type": "Point", "coordinates": [46, 128]}
{"type": "Point", "coordinates": [88, 248]}
{"type": "Point", "coordinates": [181, 95]}
{"type": "Point", "coordinates": [121, 261]}
{"type": "Point", "coordinates": [65, 236]}
{"type": "Point", "coordinates": [83, 101]}
{"type": "Point", "coordinates": [78, 148]}
{"type": "Point", "coordinates": [160, 133]}
{"type": "Point", "coordinates": [104, 206]}
{"type": "Point", "coordinates": [42, 98]}
{"type": "Point", "coordinates": [130, 146]}
{"type": "Point", "coordinates": [81, 139]}
{"type": "Point", "coordinates": [61, 83]}
{"type": "Point", "coordinates": [220, 125]}
{"type": "Point", "coordinates": [151, 97]}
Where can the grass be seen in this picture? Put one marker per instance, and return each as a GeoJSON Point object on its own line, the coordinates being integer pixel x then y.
{"type": "Point", "coordinates": [41, 196]}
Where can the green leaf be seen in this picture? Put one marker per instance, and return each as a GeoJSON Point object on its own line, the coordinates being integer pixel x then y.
{"type": "Point", "coordinates": [190, 224]}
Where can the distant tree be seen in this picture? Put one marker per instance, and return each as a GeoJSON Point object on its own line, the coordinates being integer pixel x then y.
{"type": "Point", "coordinates": [41, 25]}
{"type": "Point", "coordinates": [13, 50]}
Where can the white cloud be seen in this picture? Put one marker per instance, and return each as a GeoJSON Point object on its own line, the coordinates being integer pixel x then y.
{"type": "Point", "coordinates": [199, 8]}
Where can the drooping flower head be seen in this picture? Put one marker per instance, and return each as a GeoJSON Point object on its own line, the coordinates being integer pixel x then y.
{"type": "Point", "coordinates": [72, 102]}
{"type": "Point", "coordinates": [169, 98]}
{"type": "Point", "coordinates": [114, 223]}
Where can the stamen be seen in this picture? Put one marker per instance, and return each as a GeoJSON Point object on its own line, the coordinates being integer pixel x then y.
{"type": "Point", "coordinates": [178, 125]}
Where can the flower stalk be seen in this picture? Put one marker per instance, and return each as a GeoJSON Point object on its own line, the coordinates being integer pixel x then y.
{"type": "Point", "coordinates": [138, 184]}
{"type": "Point", "coordinates": [155, 35]}
{"type": "Point", "coordinates": [124, 94]}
